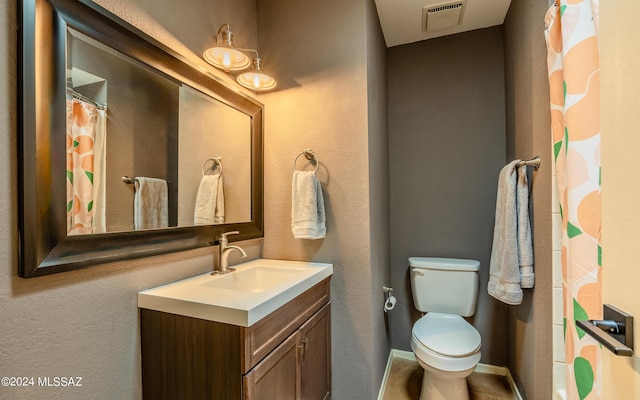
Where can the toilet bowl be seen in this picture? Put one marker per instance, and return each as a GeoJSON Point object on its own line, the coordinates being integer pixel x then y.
{"type": "Point", "coordinates": [444, 343]}
{"type": "Point", "coordinates": [448, 348]}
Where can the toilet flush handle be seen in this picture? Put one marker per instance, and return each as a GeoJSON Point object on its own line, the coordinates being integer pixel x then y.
{"type": "Point", "coordinates": [417, 271]}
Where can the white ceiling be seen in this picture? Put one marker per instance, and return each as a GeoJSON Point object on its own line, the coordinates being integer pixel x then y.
{"type": "Point", "coordinates": [401, 20]}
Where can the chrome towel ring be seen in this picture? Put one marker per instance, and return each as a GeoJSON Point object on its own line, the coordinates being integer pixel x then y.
{"type": "Point", "coordinates": [216, 160]}
{"type": "Point", "coordinates": [309, 155]}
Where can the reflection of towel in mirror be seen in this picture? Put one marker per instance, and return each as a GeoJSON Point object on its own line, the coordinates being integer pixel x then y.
{"type": "Point", "coordinates": [307, 206]}
{"type": "Point", "coordinates": [150, 207]}
{"type": "Point", "coordinates": [209, 207]}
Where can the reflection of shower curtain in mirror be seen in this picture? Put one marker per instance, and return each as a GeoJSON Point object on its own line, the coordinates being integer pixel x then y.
{"type": "Point", "coordinates": [86, 157]}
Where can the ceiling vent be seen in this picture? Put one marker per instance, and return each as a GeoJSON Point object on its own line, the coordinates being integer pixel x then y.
{"type": "Point", "coordinates": [442, 16]}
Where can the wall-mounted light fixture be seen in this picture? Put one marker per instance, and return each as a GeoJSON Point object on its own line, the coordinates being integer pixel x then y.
{"type": "Point", "coordinates": [230, 58]}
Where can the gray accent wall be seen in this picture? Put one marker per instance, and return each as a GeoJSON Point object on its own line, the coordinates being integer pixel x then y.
{"type": "Point", "coordinates": [446, 148]}
{"type": "Point", "coordinates": [528, 135]}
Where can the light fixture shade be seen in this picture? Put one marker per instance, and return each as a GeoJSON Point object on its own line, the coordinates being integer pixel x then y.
{"type": "Point", "coordinates": [256, 79]}
{"type": "Point", "coordinates": [226, 58]}
{"type": "Point", "coordinates": [224, 55]}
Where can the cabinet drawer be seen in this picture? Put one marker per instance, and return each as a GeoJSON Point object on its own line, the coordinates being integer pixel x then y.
{"type": "Point", "coordinates": [265, 335]}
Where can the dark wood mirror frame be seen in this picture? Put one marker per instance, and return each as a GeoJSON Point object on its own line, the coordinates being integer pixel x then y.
{"type": "Point", "coordinates": [45, 248]}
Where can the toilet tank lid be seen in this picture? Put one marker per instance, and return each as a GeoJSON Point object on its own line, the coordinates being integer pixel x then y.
{"type": "Point", "coordinates": [450, 264]}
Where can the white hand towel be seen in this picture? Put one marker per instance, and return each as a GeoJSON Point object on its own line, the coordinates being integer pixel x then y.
{"type": "Point", "coordinates": [504, 271]}
{"type": "Point", "coordinates": [209, 207]}
{"type": "Point", "coordinates": [525, 246]}
{"type": "Point", "coordinates": [307, 206]}
{"type": "Point", "coordinates": [150, 207]}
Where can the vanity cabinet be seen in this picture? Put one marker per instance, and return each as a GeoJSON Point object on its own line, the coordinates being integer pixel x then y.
{"type": "Point", "coordinates": [285, 355]}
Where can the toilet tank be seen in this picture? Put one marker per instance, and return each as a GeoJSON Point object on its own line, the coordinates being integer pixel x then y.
{"type": "Point", "coordinates": [445, 285]}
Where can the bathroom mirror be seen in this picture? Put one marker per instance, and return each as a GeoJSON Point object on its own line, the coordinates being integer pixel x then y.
{"type": "Point", "coordinates": [92, 84]}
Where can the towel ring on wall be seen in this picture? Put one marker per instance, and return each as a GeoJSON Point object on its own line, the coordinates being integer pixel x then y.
{"type": "Point", "coordinates": [309, 155]}
{"type": "Point", "coordinates": [216, 160]}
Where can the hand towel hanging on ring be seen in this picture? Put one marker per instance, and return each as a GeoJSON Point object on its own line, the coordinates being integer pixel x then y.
{"type": "Point", "coordinates": [307, 203]}
{"type": "Point", "coordinates": [209, 207]}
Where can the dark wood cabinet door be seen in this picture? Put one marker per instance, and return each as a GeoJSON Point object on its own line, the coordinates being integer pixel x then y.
{"type": "Point", "coordinates": [189, 358]}
{"type": "Point", "coordinates": [315, 356]}
{"type": "Point", "coordinates": [277, 376]}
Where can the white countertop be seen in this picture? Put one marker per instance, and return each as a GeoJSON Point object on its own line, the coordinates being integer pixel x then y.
{"type": "Point", "coordinates": [243, 297]}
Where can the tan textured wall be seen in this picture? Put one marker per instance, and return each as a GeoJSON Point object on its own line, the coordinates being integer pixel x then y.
{"type": "Point", "coordinates": [378, 190]}
{"type": "Point", "coordinates": [619, 63]}
{"type": "Point", "coordinates": [85, 323]}
{"type": "Point", "coordinates": [318, 51]}
{"type": "Point", "coordinates": [527, 105]}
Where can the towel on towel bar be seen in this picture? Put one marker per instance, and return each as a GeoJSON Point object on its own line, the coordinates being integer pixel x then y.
{"type": "Point", "coordinates": [150, 204]}
{"type": "Point", "coordinates": [307, 206]}
{"type": "Point", "coordinates": [525, 244]}
{"type": "Point", "coordinates": [511, 266]}
{"type": "Point", "coordinates": [209, 207]}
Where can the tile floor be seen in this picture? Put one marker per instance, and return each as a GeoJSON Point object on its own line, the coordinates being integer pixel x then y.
{"type": "Point", "coordinates": [405, 379]}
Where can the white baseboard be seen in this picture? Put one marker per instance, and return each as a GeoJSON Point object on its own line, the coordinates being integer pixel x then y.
{"type": "Point", "coordinates": [514, 388]}
{"type": "Point", "coordinates": [383, 385]}
{"type": "Point", "coordinates": [405, 355]}
{"type": "Point", "coordinates": [481, 368]}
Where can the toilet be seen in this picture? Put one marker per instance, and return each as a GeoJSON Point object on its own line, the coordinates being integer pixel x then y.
{"type": "Point", "coordinates": [445, 345]}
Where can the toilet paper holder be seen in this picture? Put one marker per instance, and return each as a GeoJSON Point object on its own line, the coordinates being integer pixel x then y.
{"type": "Point", "coordinates": [390, 301]}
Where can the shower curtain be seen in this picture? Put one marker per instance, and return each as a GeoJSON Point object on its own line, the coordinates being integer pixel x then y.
{"type": "Point", "coordinates": [574, 80]}
{"type": "Point", "coordinates": [86, 158]}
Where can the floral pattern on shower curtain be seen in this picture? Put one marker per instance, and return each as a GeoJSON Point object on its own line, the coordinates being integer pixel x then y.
{"type": "Point", "coordinates": [82, 178]}
{"type": "Point", "coordinates": [574, 80]}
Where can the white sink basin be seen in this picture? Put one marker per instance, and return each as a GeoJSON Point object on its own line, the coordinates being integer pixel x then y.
{"type": "Point", "coordinates": [257, 278]}
{"type": "Point", "coordinates": [243, 297]}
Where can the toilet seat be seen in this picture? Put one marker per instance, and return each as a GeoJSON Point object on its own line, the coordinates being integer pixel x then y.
{"type": "Point", "coordinates": [446, 342]}
{"type": "Point", "coordinates": [447, 334]}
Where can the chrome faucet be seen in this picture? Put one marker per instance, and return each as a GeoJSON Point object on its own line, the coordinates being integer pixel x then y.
{"type": "Point", "coordinates": [223, 254]}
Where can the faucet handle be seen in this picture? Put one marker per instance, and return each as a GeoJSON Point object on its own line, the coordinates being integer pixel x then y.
{"type": "Point", "coordinates": [223, 236]}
